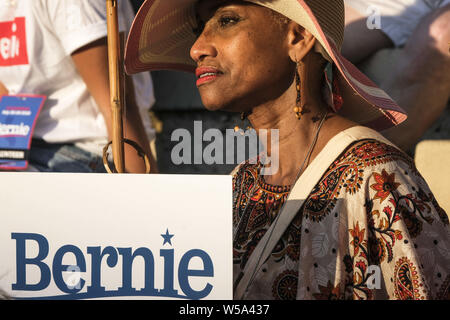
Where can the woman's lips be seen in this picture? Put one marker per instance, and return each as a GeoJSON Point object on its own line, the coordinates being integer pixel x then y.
{"type": "Point", "coordinates": [206, 74]}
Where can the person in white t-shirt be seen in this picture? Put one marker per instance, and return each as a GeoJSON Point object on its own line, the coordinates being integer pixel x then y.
{"type": "Point", "coordinates": [419, 77]}
{"type": "Point", "coordinates": [60, 50]}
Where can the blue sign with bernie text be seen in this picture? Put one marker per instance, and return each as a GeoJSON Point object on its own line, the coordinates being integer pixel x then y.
{"type": "Point", "coordinates": [18, 115]}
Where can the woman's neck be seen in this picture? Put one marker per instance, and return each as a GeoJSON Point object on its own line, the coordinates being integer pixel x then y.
{"type": "Point", "coordinates": [296, 136]}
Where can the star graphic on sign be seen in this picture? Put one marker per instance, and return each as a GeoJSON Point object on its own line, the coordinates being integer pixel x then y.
{"type": "Point", "coordinates": [167, 237]}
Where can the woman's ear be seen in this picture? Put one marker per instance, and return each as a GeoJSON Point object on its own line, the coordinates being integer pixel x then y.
{"type": "Point", "coordinates": [300, 41]}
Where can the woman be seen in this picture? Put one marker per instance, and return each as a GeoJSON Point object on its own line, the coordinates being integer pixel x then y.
{"type": "Point", "coordinates": [344, 202]}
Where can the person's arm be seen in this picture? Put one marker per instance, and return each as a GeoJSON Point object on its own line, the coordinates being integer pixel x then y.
{"type": "Point", "coordinates": [92, 64]}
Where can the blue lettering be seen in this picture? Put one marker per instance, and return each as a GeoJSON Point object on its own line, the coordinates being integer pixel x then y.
{"type": "Point", "coordinates": [74, 284]}
{"type": "Point", "coordinates": [59, 268]}
{"type": "Point", "coordinates": [97, 256]}
{"type": "Point", "coordinates": [184, 273]}
{"type": "Point", "coordinates": [22, 261]}
{"type": "Point", "coordinates": [168, 290]}
{"type": "Point", "coordinates": [127, 266]}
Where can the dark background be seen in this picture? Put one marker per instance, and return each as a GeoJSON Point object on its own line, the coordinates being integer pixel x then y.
{"type": "Point", "coordinates": [136, 4]}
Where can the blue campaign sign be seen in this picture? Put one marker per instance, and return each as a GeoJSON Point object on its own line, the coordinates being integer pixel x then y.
{"type": "Point", "coordinates": [18, 115]}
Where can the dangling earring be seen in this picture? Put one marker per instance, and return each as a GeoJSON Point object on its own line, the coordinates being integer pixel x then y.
{"type": "Point", "coordinates": [298, 106]}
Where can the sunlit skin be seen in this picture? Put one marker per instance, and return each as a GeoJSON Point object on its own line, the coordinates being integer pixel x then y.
{"type": "Point", "coordinates": [249, 60]}
{"type": "Point", "coordinates": [235, 42]}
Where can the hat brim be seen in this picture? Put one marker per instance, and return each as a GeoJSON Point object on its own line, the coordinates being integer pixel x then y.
{"type": "Point", "coordinates": [162, 35]}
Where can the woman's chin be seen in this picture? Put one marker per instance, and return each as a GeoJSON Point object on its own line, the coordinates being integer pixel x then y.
{"type": "Point", "coordinates": [216, 103]}
{"type": "Point", "coordinates": [221, 107]}
{"type": "Point", "coordinates": [218, 100]}
{"type": "Point", "coordinates": [213, 104]}
{"type": "Point", "coordinates": [211, 107]}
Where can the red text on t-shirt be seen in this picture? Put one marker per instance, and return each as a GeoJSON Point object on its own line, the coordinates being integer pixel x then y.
{"type": "Point", "coordinates": [13, 42]}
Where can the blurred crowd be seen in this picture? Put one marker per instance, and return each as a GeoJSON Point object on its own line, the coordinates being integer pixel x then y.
{"type": "Point", "coordinates": [58, 49]}
{"type": "Point", "coordinates": [407, 45]}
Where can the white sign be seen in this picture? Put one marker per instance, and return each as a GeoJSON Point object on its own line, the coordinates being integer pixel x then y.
{"type": "Point", "coordinates": [94, 236]}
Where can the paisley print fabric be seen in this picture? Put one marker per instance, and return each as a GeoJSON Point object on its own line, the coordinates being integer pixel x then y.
{"type": "Point", "coordinates": [370, 229]}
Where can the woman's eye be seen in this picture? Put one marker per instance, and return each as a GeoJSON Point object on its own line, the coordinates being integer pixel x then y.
{"type": "Point", "coordinates": [223, 22]}
{"type": "Point", "coordinates": [228, 20]}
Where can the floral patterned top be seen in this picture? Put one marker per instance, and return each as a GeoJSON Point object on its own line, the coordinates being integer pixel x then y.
{"type": "Point", "coordinates": [370, 229]}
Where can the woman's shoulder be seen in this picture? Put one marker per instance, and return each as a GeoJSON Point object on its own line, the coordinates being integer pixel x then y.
{"type": "Point", "coordinates": [372, 154]}
{"type": "Point", "coordinates": [372, 169]}
{"type": "Point", "coordinates": [365, 150]}
{"type": "Point", "coordinates": [365, 163]}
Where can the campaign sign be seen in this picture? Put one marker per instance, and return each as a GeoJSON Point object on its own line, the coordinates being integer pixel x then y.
{"type": "Point", "coordinates": [99, 236]}
{"type": "Point", "coordinates": [18, 115]}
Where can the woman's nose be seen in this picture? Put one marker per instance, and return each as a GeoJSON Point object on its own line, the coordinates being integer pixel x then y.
{"type": "Point", "coordinates": [202, 48]}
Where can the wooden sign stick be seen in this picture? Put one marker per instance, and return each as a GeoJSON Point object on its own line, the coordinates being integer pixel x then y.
{"type": "Point", "coordinates": [116, 84]}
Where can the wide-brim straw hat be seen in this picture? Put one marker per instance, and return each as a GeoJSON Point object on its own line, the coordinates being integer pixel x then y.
{"type": "Point", "coordinates": [162, 35]}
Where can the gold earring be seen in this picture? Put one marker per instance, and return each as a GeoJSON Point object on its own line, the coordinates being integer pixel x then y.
{"type": "Point", "coordinates": [298, 105]}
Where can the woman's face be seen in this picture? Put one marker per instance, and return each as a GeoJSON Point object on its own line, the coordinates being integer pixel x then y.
{"type": "Point", "coordinates": [241, 54]}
